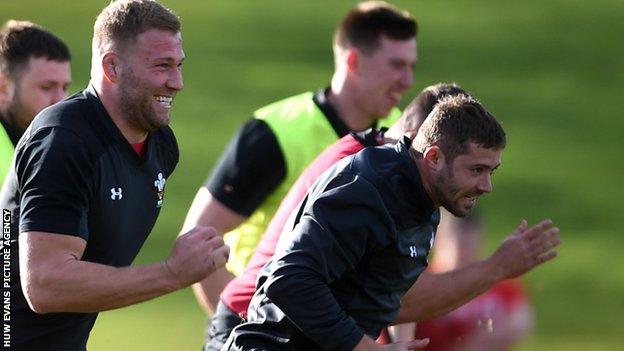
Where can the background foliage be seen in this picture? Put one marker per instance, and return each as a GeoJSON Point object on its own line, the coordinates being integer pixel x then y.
{"type": "Point", "coordinates": [550, 70]}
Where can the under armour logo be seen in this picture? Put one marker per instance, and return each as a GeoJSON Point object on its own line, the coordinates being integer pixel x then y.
{"type": "Point", "coordinates": [413, 251]}
{"type": "Point", "coordinates": [116, 195]}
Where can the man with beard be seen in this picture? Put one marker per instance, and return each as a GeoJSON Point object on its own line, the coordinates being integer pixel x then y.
{"type": "Point", "coordinates": [88, 183]}
{"type": "Point", "coordinates": [429, 300]}
{"type": "Point", "coordinates": [34, 74]}
{"type": "Point", "coordinates": [374, 56]}
{"type": "Point", "coordinates": [234, 300]}
{"type": "Point", "coordinates": [361, 237]}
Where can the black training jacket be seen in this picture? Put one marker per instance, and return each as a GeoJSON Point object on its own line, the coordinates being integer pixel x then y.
{"type": "Point", "coordinates": [356, 244]}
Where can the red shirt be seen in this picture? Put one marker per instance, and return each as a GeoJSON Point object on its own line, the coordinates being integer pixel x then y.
{"type": "Point", "coordinates": [238, 293]}
{"type": "Point", "coordinates": [139, 148]}
{"type": "Point", "coordinates": [447, 331]}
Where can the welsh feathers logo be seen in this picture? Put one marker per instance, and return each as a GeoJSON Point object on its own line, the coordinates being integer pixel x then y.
{"type": "Point", "coordinates": [159, 183]}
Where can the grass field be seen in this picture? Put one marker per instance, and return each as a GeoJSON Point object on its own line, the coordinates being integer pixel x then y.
{"type": "Point", "coordinates": [552, 71]}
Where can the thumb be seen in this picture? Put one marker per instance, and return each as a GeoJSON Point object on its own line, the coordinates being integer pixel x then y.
{"type": "Point", "coordinates": [416, 344]}
{"type": "Point", "coordinates": [523, 225]}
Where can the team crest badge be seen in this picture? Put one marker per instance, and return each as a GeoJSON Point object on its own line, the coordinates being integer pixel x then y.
{"type": "Point", "coordinates": [159, 183]}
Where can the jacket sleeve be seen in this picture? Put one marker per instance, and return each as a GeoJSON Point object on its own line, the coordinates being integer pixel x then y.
{"type": "Point", "coordinates": [333, 235]}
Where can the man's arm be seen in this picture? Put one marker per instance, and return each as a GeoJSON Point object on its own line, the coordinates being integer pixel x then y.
{"type": "Point", "coordinates": [54, 279]}
{"type": "Point", "coordinates": [206, 210]}
{"type": "Point", "coordinates": [249, 170]}
{"type": "Point", "coordinates": [435, 294]}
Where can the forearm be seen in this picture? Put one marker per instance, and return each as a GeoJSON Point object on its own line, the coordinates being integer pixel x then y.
{"type": "Point", "coordinates": [521, 251]}
{"type": "Point", "coordinates": [206, 210]}
{"type": "Point", "coordinates": [208, 290]}
{"type": "Point", "coordinates": [435, 294]}
{"type": "Point", "coordinates": [80, 286]}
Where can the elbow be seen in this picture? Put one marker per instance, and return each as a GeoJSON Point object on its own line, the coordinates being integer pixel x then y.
{"type": "Point", "coordinates": [285, 285]}
{"type": "Point", "coordinates": [276, 289]}
{"type": "Point", "coordinates": [288, 291]}
{"type": "Point", "coordinates": [38, 300]}
{"type": "Point", "coordinates": [37, 293]}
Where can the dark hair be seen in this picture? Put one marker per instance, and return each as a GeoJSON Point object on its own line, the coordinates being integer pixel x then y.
{"type": "Point", "coordinates": [366, 22]}
{"type": "Point", "coordinates": [122, 21]}
{"type": "Point", "coordinates": [415, 113]}
{"type": "Point", "coordinates": [454, 122]}
{"type": "Point", "coordinates": [21, 40]}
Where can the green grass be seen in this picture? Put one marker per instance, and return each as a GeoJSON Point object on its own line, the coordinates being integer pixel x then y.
{"type": "Point", "coordinates": [550, 70]}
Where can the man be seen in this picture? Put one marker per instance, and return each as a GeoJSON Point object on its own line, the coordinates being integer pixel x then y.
{"type": "Point", "coordinates": [375, 51]}
{"type": "Point", "coordinates": [34, 74]}
{"type": "Point", "coordinates": [232, 307]}
{"type": "Point", "coordinates": [362, 235]}
{"type": "Point", "coordinates": [89, 181]}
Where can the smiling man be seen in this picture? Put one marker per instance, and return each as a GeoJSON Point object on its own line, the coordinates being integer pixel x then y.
{"type": "Point", "coordinates": [362, 235]}
{"type": "Point", "coordinates": [34, 74]}
{"type": "Point", "coordinates": [374, 49]}
{"type": "Point", "coordinates": [89, 181]}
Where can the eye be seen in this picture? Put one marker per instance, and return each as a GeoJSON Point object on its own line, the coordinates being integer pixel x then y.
{"type": "Point", "coordinates": [47, 87]}
{"type": "Point", "coordinates": [162, 66]}
{"type": "Point", "coordinates": [397, 64]}
{"type": "Point", "coordinates": [476, 171]}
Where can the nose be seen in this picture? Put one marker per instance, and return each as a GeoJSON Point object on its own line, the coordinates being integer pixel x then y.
{"type": "Point", "coordinates": [58, 95]}
{"type": "Point", "coordinates": [407, 78]}
{"type": "Point", "coordinates": [485, 185]}
{"type": "Point", "coordinates": [175, 81]}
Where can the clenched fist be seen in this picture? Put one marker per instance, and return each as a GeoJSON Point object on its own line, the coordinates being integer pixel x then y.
{"type": "Point", "coordinates": [196, 254]}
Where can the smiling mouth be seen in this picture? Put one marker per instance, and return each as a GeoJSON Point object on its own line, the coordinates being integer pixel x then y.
{"type": "Point", "coordinates": [472, 199]}
{"type": "Point", "coordinates": [396, 96]}
{"type": "Point", "coordinates": [164, 101]}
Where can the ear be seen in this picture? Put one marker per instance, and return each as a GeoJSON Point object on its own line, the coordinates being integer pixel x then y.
{"type": "Point", "coordinates": [110, 67]}
{"type": "Point", "coordinates": [352, 57]}
{"type": "Point", "coordinates": [7, 89]}
{"type": "Point", "coordinates": [434, 158]}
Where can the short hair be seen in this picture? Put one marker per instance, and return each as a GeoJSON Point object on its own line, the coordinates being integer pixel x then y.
{"type": "Point", "coordinates": [367, 21]}
{"type": "Point", "coordinates": [455, 122]}
{"type": "Point", "coordinates": [421, 106]}
{"type": "Point", "coordinates": [21, 40]}
{"type": "Point", "coordinates": [122, 21]}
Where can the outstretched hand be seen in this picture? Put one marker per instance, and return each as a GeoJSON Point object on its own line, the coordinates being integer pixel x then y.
{"type": "Point", "coordinates": [527, 248]}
